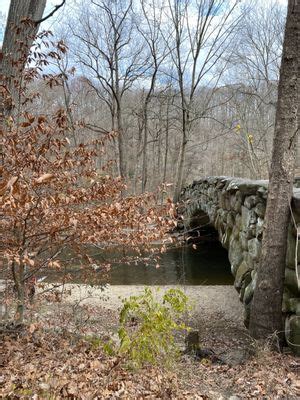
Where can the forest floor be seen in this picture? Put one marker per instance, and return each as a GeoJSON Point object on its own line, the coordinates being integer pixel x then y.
{"type": "Point", "coordinates": [53, 359]}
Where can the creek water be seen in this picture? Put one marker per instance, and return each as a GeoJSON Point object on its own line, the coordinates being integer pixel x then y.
{"type": "Point", "coordinates": [206, 265]}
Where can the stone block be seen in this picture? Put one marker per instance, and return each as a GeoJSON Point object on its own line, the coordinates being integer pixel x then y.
{"type": "Point", "coordinates": [227, 202]}
{"type": "Point", "coordinates": [220, 184]}
{"type": "Point", "coordinates": [251, 201]}
{"type": "Point", "coordinates": [235, 255]}
{"type": "Point", "coordinates": [260, 210]}
{"type": "Point", "coordinates": [245, 282]}
{"type": "Point", "coordinates": [259, 228]}
{"type": "Point", "coordinates": [290, 281]}
{"type": "Point", "coordinates": [285, 300]}
{"type": "Point", "coordinates": [249, 260]}
{"type": "Point", "coordinates": [211, 191]}
{"type": "Point", "coordinates": [242, 270]}
{"type": "Point", "coordinates": [238, 202]}
{"type": "Point", "coordinates": [248, 218]}
{"type": "Point", "coordinates": [290, 252]}
{"type": "Point", "coordinates": [292, 332]}
{"type": "Point", "coordinates": [224, 217]}
{"type": "Point", "coordinates": [296, 199]}
{"type": "Point", "coordinates": [263, 191]}
{"type": "Point", "coordinates": [235, 232]}
{"type": "Point", "coordinates": [252, 231]}
{"type": "Point", "coordinates": [226, 238]}
{"type": "Point", "coordinates": [230, 219]}
{"type": "Point", "coordinates": [249, 291]}
{"type": "Point", "coordinates": [238, 221]}
{"type": "Point", "coordinates": [222, 201]}
{"type": "Point", "coordinates": [213, 213]}
{"type": "Point", "coordinates": [254, 248]}
{"type": "Point", "coordinates": [243, 237]}
{"type": "Point", "coordinates": [290, 304]}
{"type": "Point", "coordinates": [232, 201]}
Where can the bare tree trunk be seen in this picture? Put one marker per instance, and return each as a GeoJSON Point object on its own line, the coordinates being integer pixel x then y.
{"type": "Point", "coordinates": [167, 143]}
{"type": "Point", "coordinates": [180, 168]}
{"type": "Point", "coordinates": [20, 288]}
{"type": "Point", "coordinates": [118, 99]}
{"type": "Point", "coordinates": [122, 165]}
{"type": "Point", "coordinates": [182, 151]}
{"type": "Point", "coordinates": [145, 149]}
{"type": "Point", "coordinates": [67, 95]}
{"type": "Point", "coordinates": [266, 311]}
{"type": "Point", "coordinates": [138, 153]}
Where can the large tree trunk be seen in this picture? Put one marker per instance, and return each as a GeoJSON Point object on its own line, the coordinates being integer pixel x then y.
{"type": "Point", "coordinates": [13, 59]}
{"type": "Point", "coordinates": [266, 311]}
{"type": "Point", "coordinates": [14, 56]}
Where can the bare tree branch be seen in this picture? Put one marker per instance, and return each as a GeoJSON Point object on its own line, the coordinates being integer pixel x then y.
{"type": "Point", "coordinates": [56, 8]}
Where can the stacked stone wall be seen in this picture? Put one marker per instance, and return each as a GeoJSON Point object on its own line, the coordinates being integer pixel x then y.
{"type": "Point", "coordinates": [236, 208]}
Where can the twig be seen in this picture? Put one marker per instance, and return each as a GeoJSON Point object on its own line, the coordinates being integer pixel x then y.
{"type": "Point", "coordinates": [51, 13]}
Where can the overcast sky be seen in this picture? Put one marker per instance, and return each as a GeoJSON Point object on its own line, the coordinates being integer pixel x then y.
{"type": "Point", "coordinates": [4, 4]}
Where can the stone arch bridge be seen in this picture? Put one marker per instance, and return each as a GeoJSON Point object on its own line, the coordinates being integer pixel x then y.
{"type": "Point", "coordinates": [235, 207]}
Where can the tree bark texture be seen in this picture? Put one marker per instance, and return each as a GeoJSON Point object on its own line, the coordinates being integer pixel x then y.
{"type": "Point", "coordinates": [266, 309]}
{"type": "Point", "coordinates": [18, 39]}
{"type": "Point", "coordinates": [11, 70]}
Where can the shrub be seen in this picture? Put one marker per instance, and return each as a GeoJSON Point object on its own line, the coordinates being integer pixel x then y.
{"type": "Point", "coordinates": [148, 327]}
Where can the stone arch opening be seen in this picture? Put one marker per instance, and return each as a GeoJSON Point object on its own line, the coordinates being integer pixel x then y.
{"type": "Point", "coordinates": [200, 227]}
{"type": "Point", "coordinates": [208, 263]}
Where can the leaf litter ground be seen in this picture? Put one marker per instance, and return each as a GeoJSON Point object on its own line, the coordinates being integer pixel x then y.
{"type": "Point", "coordinates": [54, 357]}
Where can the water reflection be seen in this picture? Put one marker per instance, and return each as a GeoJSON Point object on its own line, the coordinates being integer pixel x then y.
{"type": "Point", "coordinates": [207, 265]}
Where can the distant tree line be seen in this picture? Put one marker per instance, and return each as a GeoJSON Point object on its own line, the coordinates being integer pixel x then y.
{"type": "Point", "coordinates": [187, 88]}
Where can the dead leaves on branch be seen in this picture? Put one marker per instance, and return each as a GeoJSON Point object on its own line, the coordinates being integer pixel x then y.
{"type": "Point", "coordinates": [54, 197]}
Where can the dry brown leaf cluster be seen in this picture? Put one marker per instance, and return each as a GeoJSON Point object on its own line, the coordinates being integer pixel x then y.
{"type": "Point", "coordinates": [273, 377]}
{"type": "Point", "coordinates": [55, 356]}
{"type": "Point", "coordinates": [40, 365]}
{"type": "Point", "coordinates": [57, 196]}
